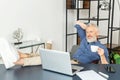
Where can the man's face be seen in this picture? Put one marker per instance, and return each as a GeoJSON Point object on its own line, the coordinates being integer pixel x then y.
{"type": "Point", "coordinates": [91, 34]}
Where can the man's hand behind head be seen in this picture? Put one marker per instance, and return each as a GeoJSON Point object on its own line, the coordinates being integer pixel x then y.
{"type": "Point", "coordinates": [81, 24]}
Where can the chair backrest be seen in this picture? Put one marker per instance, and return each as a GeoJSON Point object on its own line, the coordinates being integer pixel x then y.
{"type": "Point", "coordinates": [73, 50]}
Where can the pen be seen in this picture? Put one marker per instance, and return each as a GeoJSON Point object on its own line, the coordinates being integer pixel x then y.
{"type": "Point", "coordinates": [103, 75]}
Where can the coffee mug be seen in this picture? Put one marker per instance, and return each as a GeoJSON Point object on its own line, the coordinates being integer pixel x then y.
{"type": "Point", "coordinates": [94, 48]}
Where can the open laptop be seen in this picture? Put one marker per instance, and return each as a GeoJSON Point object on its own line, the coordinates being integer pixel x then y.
{"type": "Point", "coordinates": [58, 61]}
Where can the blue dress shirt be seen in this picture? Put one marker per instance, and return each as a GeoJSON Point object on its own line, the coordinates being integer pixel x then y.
{"type": "Point", "coordinates": [84, 53]}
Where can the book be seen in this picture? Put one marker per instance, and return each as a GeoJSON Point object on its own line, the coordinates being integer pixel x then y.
{"type": "Point", "coordinates": [8, 53]}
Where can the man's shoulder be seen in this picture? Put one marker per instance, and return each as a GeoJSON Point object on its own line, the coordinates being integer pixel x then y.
{"type": "Point", "coordinates": [101, 45]}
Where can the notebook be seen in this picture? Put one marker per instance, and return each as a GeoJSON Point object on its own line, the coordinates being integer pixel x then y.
{"type": "Point", "coordinates": [8, 53]}
{"type": "Point", "coordinates": [58, 61]}
{"type": "Point", "coordinates": [92, 75]}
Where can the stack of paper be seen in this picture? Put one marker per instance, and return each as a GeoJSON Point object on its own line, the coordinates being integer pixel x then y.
{"type": "Point", "coordinates": [90, 75]}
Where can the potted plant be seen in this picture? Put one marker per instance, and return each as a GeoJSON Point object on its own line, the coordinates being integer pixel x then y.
{"type": "Point", "coordinates": [18, 35]}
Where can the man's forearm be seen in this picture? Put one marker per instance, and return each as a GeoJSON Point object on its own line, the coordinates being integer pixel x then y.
{"type": "Point", "coordinates": [103, 59]}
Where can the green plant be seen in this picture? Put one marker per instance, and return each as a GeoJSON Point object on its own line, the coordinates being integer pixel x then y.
{"type": "Point", "coordinates": [116, 57]}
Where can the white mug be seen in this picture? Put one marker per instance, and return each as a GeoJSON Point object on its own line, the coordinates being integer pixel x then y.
{"type": "Point", "coordinates": [94, 48]}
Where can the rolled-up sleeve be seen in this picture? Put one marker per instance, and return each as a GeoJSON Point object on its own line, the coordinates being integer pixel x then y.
{"type": "Point", "coordinates": [80, 31]}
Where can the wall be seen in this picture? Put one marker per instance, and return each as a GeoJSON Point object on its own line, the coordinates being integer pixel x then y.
{"type": "Point", "coordinates": [44, 19]}
{"type": "Point", "coordinates": [116, 34]}
{"type": "Point", "coordinates": [37, 18]}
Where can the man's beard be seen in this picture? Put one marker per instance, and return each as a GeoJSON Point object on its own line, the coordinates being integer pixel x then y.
{"type": "Point", "coordinates": [94, 39]}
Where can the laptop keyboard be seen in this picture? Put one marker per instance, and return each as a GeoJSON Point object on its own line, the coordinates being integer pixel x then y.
{"type": "Point", "coordinates": [73, 70]}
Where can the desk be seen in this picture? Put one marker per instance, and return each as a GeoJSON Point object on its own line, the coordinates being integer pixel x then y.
{"type": "Point", "coordinates": [32, 43]}
{"type": "Point", "coordinates": [37, 73]}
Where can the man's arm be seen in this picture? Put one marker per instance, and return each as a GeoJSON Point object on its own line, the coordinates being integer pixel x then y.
{"type": "Point", "coordinates": [102, 56]}
{"type": "Point", "coordinates": [81, 29]}
{"type": "Point", "coordinates": [83, 26]}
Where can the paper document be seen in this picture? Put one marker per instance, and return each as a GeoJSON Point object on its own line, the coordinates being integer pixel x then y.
{"type": "Point", "coordinates": [90, 75]}
{"type": "Point", "coordinates": [8, 53]}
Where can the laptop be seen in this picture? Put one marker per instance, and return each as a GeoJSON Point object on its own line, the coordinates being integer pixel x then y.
{"type": "Point", "coordinates": [58, 61]}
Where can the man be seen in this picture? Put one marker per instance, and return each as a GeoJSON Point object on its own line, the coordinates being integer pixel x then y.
{"type": "Point", "coordinates": [88, 35]}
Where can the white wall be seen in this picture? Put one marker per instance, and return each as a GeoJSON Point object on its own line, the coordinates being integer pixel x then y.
{"type": "Point", "coordinates": [37, 18]}
{"type": "Point", "coordinates": [116, 35]}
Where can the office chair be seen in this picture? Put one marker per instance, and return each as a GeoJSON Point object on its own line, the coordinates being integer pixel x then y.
{"type": "Point", "coordinates": [73, 50]}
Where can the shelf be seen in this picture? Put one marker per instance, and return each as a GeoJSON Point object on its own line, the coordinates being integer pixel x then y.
{"type": "Point", "coordinates": [99, 37]}
{"type": "Point", "coordinates": [117, 49]}
{"type": "Point", "coordinates": [71, 5]}
{"type": "Point", "coordinates": [89, 0]}
{"type": "Point", "coordinates": [89, 18]}
{"type": "Point", "coordinates": [115, 28]}
{"type": "Point", "coordinates": [78, 8]}
{"type": "Point", "coordinates": [71, 34]}
{"type": "Point", "coordinates": [102, 37]}
{"type": "Point", "coordinates": [94, 19]}
{"type": "Point", "coordinates": [114, 46]}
